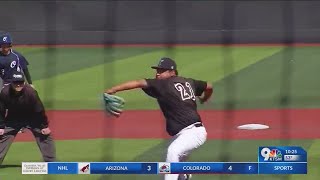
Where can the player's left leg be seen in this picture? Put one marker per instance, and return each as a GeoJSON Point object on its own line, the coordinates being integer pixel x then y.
{"type": "Point", "coordinates": [183, 144]}
{"type": "Point", "coordinates": [185, 176]}
{"type": "Point", "coordinates": [45, 144]}
{"type": "Point", "coordinates": [184, 158]}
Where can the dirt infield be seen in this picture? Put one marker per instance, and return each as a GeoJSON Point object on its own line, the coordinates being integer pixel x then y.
{"type": "Point", "coordinates": [284, 124]}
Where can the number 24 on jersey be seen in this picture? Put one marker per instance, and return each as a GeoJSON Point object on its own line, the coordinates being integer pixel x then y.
{"type": "Point", "coordinates": [186, 91]}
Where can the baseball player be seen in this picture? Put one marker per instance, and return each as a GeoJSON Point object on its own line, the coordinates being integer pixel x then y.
{"type": "Point", "coordinates": [25, 109]}
{"type": "Point", "coordinates": [176, 97]}
{"type": "Point", "coordinates": [11, 61]}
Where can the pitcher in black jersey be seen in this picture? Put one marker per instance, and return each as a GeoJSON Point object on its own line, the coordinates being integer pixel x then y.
{"type": "Point", "coordinates": [176, 97]}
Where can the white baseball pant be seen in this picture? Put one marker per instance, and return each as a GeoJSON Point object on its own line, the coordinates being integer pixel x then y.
{"type": "Point", "coordinates": [182, 144]}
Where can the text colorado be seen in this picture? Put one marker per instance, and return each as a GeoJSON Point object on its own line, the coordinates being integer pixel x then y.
{"type": "Point", "coordinates": [196, 168]}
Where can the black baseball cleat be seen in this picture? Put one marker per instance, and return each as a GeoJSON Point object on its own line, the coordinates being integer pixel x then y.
{"type": "Point", "coordinates": [187, 176]}
{"type": "Point", "coordinates": [22, 130]}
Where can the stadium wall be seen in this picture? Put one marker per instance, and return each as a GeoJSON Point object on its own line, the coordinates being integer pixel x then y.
{"type": "Point", "coordinates": [140, 22]}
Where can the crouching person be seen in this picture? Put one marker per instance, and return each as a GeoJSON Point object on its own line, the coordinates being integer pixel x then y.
{"type": "Point", "coordinates": [25, 109]}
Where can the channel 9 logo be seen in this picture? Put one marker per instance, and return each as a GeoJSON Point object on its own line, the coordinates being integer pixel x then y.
{"type": "Point", "coordinates": [271, 155]}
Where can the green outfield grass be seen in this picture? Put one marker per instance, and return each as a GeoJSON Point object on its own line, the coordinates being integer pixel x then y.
{"type": "Point", "coordinates": [74, 78]}
{"type": "Point", "coordinates": [86, 84]}
{"type": "Point", "coordinates": [68, 77]}
{"type": "Point", "coordinates": [257, 74]}
{"type": "Point", "coordinates": [263, 84]}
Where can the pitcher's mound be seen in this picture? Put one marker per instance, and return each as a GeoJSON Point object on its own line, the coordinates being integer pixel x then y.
{"type": "Point", "coordinates": [253, 126]}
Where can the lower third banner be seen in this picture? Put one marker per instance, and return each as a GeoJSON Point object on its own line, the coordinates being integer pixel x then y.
{"type": "Point", "coordinates": [163, 168]}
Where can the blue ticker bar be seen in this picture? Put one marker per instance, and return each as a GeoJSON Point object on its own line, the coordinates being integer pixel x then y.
{"type": "Point", "coordinates": [123, 168]}
{"type": "Point", "coordinates": [62, 168]}
{"type": "Point", "coordinates": [271, 160]}
{"type": "Point", "coordinates": [240, 168]}
{"type": "Point", "coordinates": [179, 168]}
{"type": "Point", "coordinates": [283, 168]}
{"type": "Point", "coordinates": [214, 168]}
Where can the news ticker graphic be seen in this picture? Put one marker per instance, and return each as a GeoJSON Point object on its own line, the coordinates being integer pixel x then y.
{"type": "Point", "coordinates": [164, 168]}
{"type": "Point", "coordinates": [271, 160]}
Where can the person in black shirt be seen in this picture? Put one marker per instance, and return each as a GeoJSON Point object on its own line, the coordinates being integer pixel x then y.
{"type": "Point", "coordinates": [24, 109]}
{"type": "Point", "coordinates": [176, 97]}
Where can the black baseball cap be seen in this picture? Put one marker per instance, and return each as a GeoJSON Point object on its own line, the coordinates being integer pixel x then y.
{"type": "Point", "coordinates": [166, 63]}
{"type": "Point", "coordinates": [17, 76]}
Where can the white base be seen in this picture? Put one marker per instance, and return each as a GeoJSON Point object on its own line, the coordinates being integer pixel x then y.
{"type": "Point", "coordinates": [253, 126]}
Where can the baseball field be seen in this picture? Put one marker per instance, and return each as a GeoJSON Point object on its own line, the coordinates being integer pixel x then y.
{"type": "Point", "coordinates": [252, 84]}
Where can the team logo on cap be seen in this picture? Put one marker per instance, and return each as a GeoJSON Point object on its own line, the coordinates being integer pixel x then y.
{"type": "Point", "coordinates": [161, 62]}
{"type": "Point", "coordinates": [5, 38]}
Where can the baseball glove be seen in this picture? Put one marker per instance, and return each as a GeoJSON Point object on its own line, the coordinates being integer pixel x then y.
{"type": "Point", "coordinates": [113, 104]}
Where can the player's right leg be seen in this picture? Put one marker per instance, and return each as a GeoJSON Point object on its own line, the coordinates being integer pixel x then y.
{"type": "Point", "coordinates": [183, 144]}
{"type": "Point", "coordinates": [6, 140]}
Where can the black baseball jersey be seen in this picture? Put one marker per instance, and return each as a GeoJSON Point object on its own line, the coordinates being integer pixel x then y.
{"type": "Point", "coordinates": [24, 108]}
{"type": "Point", "coordinates": [10, 63]}
{"type": "Point", "coordinates": [177, 100]}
